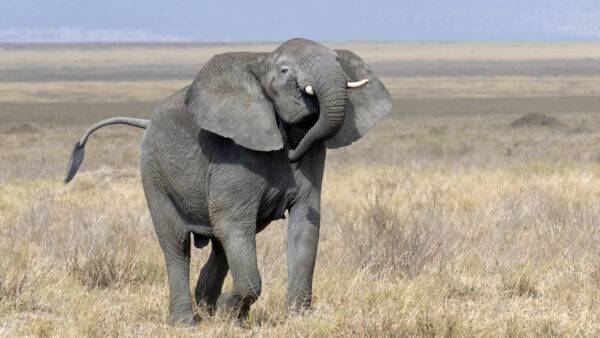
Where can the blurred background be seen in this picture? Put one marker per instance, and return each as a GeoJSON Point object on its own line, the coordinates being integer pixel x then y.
{"type": "Point", "coordinates": [270, 20]}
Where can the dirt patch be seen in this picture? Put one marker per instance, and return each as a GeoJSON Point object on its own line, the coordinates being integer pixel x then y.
{"type": "Point", "coordinates": [23, 129]}
{"type": "Point", "coordinates": [537, 120]}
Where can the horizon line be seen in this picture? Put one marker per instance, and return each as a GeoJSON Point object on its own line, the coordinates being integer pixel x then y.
{"type": "Point", "coordinates": [230, 42]}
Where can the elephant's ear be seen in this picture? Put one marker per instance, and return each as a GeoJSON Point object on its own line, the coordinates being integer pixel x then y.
{"type": "Point", "coordinates": [227, 99]}
{"type": "Point", "coordinates": [366, 105]}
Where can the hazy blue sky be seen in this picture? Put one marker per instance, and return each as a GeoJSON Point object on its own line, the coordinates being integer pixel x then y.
{"type": "Point", "coordinates": [271, 20]}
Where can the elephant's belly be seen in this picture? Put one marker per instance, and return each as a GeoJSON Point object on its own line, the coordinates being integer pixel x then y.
{"type": "Point", "coordinates": [188, 195]}
{"type": "Point", "coordinates": [273, 206]}
{"type": "Point", "coordinates": [192, 203]}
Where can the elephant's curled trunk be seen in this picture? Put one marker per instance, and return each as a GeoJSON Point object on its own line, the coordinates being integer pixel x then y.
{"type": "Point", "coordinates": [330, 90]}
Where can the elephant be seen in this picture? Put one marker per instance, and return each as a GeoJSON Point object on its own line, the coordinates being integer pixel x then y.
{"type": "Point", "coordinates": [237, 148]}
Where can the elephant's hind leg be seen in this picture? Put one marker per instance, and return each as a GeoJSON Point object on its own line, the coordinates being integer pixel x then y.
{"type": "Point", "coordinates": [175, 243]}
{"type": "Point", "coordinates": [212, 275]}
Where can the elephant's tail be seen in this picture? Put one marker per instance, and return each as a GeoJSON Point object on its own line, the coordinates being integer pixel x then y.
{"type": "Point", "coordinates": [79, 150]}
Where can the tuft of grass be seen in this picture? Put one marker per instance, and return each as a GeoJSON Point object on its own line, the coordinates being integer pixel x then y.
{"type": "Point", "coordinates": [386, 239]}
{"type": "Point", "coordinates": [101, 269]}
{"type": "Point", "coordinates": [520, 281]}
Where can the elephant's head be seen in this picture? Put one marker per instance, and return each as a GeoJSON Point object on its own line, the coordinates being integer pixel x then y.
{"type": "Point", "coordinates": [238, 95]}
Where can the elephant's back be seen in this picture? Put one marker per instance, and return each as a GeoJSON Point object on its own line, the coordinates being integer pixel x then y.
{"type": "Point", "coordinates": [172, 104]}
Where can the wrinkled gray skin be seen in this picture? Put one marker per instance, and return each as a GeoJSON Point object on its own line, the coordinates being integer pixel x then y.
{"type": "Point", "coordinates": [227, 155]}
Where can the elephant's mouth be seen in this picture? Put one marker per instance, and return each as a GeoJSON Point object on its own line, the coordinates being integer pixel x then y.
{"type": "Point", "coordinates": [296, 132]}
{"type": "Point", "coordinates": [308, 122]}
{"type": "Point", "coordinates": [311, 103]}
{"type": "Point", "coordinates": [308, 109]}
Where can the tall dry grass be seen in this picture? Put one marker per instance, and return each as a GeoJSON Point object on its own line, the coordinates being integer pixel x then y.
{"type": "Point", "coordinates": [429, 227]}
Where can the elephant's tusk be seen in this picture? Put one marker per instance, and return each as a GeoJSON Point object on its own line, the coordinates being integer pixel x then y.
{"type": "Point", "coordinates": [358, 84]}
{"type": "Point", "coordinates": [309, 90]}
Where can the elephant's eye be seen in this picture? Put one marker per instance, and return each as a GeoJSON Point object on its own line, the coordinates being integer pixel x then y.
{"type": "Point", "coordinates": [284, 70]}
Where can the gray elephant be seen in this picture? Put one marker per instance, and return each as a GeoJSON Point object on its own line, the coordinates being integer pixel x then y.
{"type": "Point", "coordinates": [225, 156]}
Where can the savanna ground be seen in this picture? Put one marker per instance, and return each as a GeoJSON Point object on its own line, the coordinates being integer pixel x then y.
{"type": "Point", "coordinates": [444, 220]}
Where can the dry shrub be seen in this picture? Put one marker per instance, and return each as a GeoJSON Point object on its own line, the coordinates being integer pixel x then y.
{"type": "Point", "coordinates": [386, 239]}
{"type": "Point", "coordinates": [103, 269]}
{"type": "Point", "coordinates": [537, 120]}
{"type": "Point", "coordinates": [548, 219]}
{"type": "Point", "coordinates": [93, 239]}
{"type": "Point", "coordinates": [106, 252]}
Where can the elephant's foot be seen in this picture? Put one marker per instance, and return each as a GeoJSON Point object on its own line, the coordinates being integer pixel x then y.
{"type": "Point", "coordinates": [184, 316]}
{"type": "Point", "coordinates": [298, 311]}
{"type": "Point", "coordinates": [207, 300]}
{"type": "Point", "coordinates": [298, 302]}
{"type": "Point", "coordinates": [298, 306]}
{"type": "Point", "coordinates": [210, 305]}
{"type": "Point", "coordinates": [232, 305]}
{"type": "Point", "coordinates": [184, 320]}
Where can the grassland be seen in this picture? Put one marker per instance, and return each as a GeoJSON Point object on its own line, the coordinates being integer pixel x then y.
{"type": "Point", "coordinates": [443, 221]}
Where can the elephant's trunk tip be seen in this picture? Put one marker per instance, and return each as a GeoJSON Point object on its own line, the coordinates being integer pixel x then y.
{"type": "Point", "coordinates": [294, 155]}
{"type": "Point", "coordinates": [76, 160]}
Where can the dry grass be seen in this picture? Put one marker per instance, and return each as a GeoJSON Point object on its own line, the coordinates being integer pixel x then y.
{"type": "Point", "coordinates": [454, 224]}
{"type": "Point", "coordinates": [437, 239]}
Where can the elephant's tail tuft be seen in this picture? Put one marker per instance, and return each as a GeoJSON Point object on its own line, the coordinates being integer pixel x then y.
{"type": "Point", "coordinates": [76, 159]}
{"type": "Point", "coordinates": [79, 150]}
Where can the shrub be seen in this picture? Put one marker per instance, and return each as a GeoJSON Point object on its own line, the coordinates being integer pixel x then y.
{"type": "Point", "coordinates": [385, 239]}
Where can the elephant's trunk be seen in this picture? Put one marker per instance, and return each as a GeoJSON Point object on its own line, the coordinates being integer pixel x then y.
{"type": "Point", "coordinates": [330, 90]}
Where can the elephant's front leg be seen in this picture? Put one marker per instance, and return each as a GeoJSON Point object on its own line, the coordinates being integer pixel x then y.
{"type": "Point", "coordinates": [240, 247]}
{"type": "Point", "coordinates": [303, 239]}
